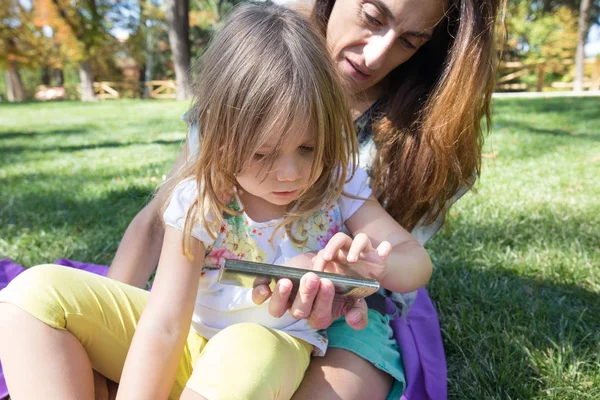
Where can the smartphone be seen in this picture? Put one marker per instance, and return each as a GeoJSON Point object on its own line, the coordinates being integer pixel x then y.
{"type": "Point", "coordinates": [249, 274]}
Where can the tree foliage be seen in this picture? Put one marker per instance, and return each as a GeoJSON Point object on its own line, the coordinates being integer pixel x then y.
{"type": "Point", "coordinates": [544, 31]}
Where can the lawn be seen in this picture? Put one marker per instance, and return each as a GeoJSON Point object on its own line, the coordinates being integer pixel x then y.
{"type": "Point", "coordinates": [517, 279]}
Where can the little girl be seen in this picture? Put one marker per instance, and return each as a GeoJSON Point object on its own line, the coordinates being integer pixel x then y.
{"type": "Point", "coordinates": [277, 151]}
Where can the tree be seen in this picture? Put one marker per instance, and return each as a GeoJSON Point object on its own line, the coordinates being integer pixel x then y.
{"type": "Point", "coordinates": [142, 45]}
{"type": "Point", "coordinates": [83, 29]}
{"type": "Point", "coordinates": [584, 9]}
{"type": "Point", "coordinates": [179, 40]}
{"type": "Point", "coordinates": [14, 84]}
{"type": "Point", "coordinates": [22, 46]}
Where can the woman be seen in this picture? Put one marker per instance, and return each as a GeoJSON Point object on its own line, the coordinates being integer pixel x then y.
{"type": "Point", "coordinates": [420, 75]}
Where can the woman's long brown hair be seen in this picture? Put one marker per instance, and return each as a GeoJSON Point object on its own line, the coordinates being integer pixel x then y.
{"type": "Point", "coordinates": [429, 132]}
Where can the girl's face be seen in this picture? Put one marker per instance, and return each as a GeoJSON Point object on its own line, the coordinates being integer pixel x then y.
{"type": "Point", "coordinates": [369, 38]}
{"type": "Point", "coordinates": [283, 181]}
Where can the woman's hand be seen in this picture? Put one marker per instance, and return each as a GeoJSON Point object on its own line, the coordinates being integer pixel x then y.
{"type": "Point", "coordinates": [315, 299]}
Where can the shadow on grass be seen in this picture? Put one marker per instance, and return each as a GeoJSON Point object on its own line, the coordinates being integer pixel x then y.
{"type": "Point", "coordinates": [32, 134]}
{"type": "Point", "coordinates": [509, 336]}
{"type": "Point", "coordinates": [12, 150]}
{"type": "Point", "coordinates": [85, 228]}
{"type": "Point", "coordinates": [592, 136]}
{"type": "Point", "coordinates": [511, 333]}
{"type": "Point", "coordinates": [525, 128]}
{"type": "Point", "coordinates": [584, 108]}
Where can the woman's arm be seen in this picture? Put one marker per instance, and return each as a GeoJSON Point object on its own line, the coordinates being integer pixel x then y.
{"type": "Point", "coordinates": [151, 365]}
{"type": "Point", "coordinates": [381, 249]}
{"type": "Point", "coordinates": [139, 250]}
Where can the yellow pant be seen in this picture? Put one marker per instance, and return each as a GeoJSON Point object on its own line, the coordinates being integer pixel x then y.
{"type": "Point", "coordinates": [244, 361]}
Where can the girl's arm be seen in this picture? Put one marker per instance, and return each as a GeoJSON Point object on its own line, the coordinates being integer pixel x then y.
{"type": "Point", "coordinates": [151, 365]}
{"type": "Point", "coordinates": [381, 249]}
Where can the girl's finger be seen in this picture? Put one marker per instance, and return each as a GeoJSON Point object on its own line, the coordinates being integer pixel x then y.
{"type": "Point", "coordinates": [384, 249]}
{"type": "Point", "coordinates": [360, 243]}
{"type": "Point", "coordinates": [319, 262]}
{"type": "Point", "coordinates": [339, 241]}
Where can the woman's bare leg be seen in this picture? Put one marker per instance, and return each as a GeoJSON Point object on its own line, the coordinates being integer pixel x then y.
{"type": "Point", "coordinates": [41, 362]}
{"type": "Point", "coordinates": [343, 375]}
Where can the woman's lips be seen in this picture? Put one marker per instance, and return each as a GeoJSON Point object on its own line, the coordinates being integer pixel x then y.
{"type": "Point", "coordinates": [353, 71]}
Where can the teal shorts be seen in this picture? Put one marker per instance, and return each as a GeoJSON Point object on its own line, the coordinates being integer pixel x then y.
{"type": "Point", "coordinates": [375, 344]}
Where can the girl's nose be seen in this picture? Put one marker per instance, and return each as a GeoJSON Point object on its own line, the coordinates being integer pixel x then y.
{"type": "Point", "coordinates": [288, 169]}
{"type": "Point", "coordinates": [377, 49]}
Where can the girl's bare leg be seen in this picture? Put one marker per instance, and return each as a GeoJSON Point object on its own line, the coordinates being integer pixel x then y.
{"type": "Point", "coordinates": [342, 375]}
{"type": "Point", "coordinates": [41, 362]}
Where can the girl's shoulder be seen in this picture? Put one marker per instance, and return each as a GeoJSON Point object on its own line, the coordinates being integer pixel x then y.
{"type": "Point", "coordinates": [183, 197]}
{"type": "Point", "coordinates": [356, 191]}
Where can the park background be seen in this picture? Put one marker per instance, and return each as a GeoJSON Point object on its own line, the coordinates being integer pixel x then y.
{"type": "Point", "coordinates": [517, 278]}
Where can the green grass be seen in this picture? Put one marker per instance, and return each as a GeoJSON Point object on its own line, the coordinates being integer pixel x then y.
{"type": "Point", "coordinates": [517, 279]}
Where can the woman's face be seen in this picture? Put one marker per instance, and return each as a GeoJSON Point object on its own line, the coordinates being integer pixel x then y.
{"type": "Point", "coordinates": [369, 38]}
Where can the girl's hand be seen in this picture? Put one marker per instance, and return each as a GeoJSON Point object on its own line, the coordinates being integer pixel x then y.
{"type": "Point", "coordinates": [347, 256]}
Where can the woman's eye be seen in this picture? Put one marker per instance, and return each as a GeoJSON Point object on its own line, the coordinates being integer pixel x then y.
{"type": "Point", "coordinates": [259, 157]}
{"type": "Point", "coordinates": [371, 19]}
{"type": "Point", "coordinates": [406, 43]}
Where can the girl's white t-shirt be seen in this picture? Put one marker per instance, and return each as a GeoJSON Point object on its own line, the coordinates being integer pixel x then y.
{"type": "Point", "coordinates": [219, 306]}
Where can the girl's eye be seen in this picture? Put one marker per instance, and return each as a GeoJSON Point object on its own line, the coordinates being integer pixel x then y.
{"type": "Point", "coordinates": [259, 157]}
{"type": "Point", "coordinates": [371, 19]}
{"type": "Point", "coordinates": [307, 149]}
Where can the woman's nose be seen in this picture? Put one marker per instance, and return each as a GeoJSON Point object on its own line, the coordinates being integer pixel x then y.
{"type": "Point", "coordinates": [378, 49]}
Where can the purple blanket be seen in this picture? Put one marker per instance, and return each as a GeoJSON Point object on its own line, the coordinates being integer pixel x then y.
{"type": "Point", "coordinates": [419, 338]}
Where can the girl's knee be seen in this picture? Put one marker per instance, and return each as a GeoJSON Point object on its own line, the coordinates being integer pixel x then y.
{"type": "Point", "coordinates": [32, 280]}
{"type": "Point", "coordinates": [36, 291]}
{"type": "Point", "coordinates": [252, 362]}
{"type": "Point", "coordinates": [42, 276]}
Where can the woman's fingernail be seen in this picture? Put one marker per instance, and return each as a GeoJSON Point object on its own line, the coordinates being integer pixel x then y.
{"type": "Point", "coordinates": [263, 292]}
{"type": "Point", "coordinates": [356, 318]}
{"type": "Point", "coordinates": [311, 284]}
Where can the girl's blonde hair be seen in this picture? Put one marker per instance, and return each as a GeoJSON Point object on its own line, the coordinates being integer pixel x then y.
{"type": "Point", "coordinates": [266, 72]}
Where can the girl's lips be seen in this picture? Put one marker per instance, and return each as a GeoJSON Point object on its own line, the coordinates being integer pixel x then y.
{"type": "Point", "coordinates": [285, 194]}
{"type": "Point", "coordinates": [354, 72]}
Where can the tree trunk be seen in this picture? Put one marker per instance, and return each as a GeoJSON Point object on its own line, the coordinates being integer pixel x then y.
{"type": "Point", "coordinates": [179, 40]}
{"type": "Point", "coordinates": [149, 61]}
{"type": "Point", "coordinates": [46, 76]}
{"type": "Point", "coordinates": [584, 10]}
{"type": "Point", "coordinates": [14, 86]}
{"type": "Point", "coordinates": [87, 81]}
{"type": "Point", "coordinates": [58, 77]}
